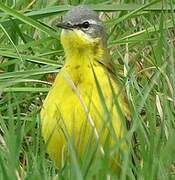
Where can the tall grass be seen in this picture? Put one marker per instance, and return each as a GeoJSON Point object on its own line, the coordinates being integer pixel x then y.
{"type": "Point", "coordinates": [141, 42]}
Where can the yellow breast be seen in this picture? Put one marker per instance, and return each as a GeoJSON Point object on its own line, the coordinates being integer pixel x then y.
{"type": "Point", "coordinates": [74, 105]}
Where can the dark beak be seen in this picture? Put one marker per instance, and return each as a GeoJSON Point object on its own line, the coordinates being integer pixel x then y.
{"type": "Point", "coordinates": [64, 26]}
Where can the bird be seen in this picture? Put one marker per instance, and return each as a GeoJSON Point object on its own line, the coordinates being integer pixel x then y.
{"type": "Point", "coordinates": [86, 104]}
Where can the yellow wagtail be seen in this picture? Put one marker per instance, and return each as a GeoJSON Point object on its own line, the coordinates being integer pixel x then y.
{"type": "Point", "coordinates": [74, 110]}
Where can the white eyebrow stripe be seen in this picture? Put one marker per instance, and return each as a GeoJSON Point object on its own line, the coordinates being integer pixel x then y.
{"type": "Point", "coordinates": [91, 21]}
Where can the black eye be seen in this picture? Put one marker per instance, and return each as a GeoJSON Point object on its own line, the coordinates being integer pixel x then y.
{"type": "Point", "coordinates": [85, 25]}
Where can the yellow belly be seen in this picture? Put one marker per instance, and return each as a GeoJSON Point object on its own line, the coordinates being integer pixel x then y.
{"type": "Point", "coordinates": [72, 106]}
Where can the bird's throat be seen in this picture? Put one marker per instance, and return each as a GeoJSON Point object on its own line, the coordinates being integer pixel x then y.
{"type": "Point", "coordinates": [85, 55]}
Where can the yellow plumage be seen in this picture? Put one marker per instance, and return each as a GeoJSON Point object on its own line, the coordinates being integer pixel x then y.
{"type": "Point", "coordinates": [73, 105]}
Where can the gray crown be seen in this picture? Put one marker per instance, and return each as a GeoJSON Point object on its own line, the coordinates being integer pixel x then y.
{"type": "Point", "coordinates": [80, 13]}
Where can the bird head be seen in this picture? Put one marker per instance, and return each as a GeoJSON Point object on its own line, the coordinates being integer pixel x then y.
{"type": "Point", "coordinates": [82, 29]}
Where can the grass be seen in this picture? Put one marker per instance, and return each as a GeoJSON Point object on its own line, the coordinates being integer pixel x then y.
{"type": "Point", "coordinates": [141, 41]}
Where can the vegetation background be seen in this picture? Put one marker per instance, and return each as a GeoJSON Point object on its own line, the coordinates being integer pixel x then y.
{"type": "Point", "coordinates": [141, 42]}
